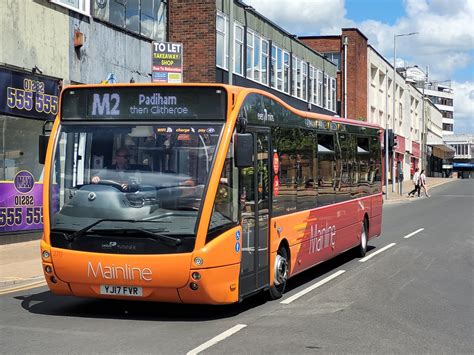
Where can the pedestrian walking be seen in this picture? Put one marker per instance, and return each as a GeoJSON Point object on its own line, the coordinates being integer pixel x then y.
{"type": "Point", "coordinates": [423, 184]}
{"type": "Point", "coordinates": [416, 182]}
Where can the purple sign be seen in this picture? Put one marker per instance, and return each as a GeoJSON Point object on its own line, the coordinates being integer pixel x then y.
{"type": "Point", "coordinates": [21, 203]}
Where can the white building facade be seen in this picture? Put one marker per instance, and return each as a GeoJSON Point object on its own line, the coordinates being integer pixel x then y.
{"type": "Point", "coordinates": [407, 122]}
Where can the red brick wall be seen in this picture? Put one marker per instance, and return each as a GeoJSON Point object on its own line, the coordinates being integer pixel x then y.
{"type": "Point", "coordinates": [356, 69]}
{"type": "Point", "coordinates": [323, 44]}
{"type": "Point", "coordinates": [356, 75]}
{"type": "Point", "coordinates": [193, 23]}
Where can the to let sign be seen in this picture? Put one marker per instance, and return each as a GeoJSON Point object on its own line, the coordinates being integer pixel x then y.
{"type": "Point", "coordinates": [167, 62]}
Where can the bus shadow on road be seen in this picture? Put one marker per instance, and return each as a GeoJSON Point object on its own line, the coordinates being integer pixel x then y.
{"type": "Point", "coordinates": [46, 303]}
{"type": "Point", "coordinates": [315, 272]}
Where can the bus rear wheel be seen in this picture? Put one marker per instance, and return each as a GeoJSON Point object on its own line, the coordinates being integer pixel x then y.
{"type": "Point", "coordinates": [280, 274]}
{"type": "Point", "coordinates": [362, 249]}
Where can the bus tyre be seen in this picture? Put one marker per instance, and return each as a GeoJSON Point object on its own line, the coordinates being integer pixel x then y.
{"type": "Point", "coordinates": [280, 274]}
{"type": "Point", "coordinates": [362, 249]}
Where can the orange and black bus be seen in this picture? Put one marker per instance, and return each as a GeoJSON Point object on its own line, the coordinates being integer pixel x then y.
{"type": "Point", "coordinates": [200, 193]}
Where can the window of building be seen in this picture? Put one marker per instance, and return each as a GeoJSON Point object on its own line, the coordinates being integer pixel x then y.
{"type": "Point", "coordinates": [81, 6]}
{"type": "Point", "coordinates": [304, 81]}
{"type": "Point", "coordinates": [273, 67]}
{"type": "Point", "coordinates": [280, 69]}
{"type": "Point", "coordinates": [221, 41]}
{"type": "Point", "coordinates": [144, 17]}
{"type": "Point", "coordinates": [257, 58]}
{"type": "Point", "coordinates": [19, 148]}
{"type": "Point", "coordinates": [326, 91]}
{"type": "Point", "coordinates": [264, 62]}
{"type": "Point", "coordinates": [332, 107]}
{"type": "Point", "coordinates": [319, 88]}
{"type": "Point", "coordinates": [335, 58]}
{"type": "Point", "coordinates": [250, 51]}
{"type": "Point", "coordinates": [286, 72]}
{"type": "Point", "coordinates": [238, 49]}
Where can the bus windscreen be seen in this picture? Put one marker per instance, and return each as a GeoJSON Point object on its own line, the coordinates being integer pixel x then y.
{"type": "Point", "coordinates": [144, 103]}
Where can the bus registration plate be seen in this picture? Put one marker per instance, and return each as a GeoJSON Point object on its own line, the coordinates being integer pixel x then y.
{"type": "Point", "coordinates": [121, 290]}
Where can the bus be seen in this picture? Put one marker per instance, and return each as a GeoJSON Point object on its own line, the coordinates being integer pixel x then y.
{"type": "Point", "coordinates": [226, 191]}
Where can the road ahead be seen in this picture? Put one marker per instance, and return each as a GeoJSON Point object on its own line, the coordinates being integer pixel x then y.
{"type": "Point", "coordinates": [412, 293]}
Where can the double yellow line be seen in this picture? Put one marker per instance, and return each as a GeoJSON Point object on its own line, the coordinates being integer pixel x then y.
{"type": "Point", "coordinates": [22, 287]}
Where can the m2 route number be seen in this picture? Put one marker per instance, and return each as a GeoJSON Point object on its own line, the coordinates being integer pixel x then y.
{"type": "Point", "coordinates": [106, 104]}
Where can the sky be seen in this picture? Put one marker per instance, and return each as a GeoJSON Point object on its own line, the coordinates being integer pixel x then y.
{"type": "Point", "coordinates": [444, 45]}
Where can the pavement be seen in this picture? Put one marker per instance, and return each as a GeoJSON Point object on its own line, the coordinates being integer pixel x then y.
{"type": "Point", "coordinates": [21, 268]}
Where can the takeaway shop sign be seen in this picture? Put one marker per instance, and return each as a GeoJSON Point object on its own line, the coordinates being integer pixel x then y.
{"type": "Point", "coordinates": [167, 62]}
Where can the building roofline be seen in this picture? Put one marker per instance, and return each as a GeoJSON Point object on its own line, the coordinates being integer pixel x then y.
{"type": "Point", "coordinates": [322, 37]}
{"type": "Point", "coordinates": [355, 29]}
{"type": "Point", "coordinates": [279, 28]}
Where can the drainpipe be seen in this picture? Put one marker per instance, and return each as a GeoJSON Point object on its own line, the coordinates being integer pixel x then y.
{"type": "Point", "coordinates": [345, 43]}
{"type": "Point", "coordinates": [231, 41]}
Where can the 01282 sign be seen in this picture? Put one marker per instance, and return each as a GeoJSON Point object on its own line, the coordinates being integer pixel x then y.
{"type": "Point", "coordinates": [28, 95]}
{"type": "Point", "coordinates": [21, 203]}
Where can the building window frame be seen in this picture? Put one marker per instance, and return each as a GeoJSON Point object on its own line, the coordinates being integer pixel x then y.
{"type": "Point", "coordinates": [239, 48]}
{"type": "Point", "coordinates": [221, 41]}
{"type": "Point", "coordinates": [82, 7]}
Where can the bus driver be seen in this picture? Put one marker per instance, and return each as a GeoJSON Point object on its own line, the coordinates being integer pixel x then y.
{"type": "Point", "coordinates": [118, 171]}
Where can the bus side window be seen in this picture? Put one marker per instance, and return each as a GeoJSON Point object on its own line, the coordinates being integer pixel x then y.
{"type": "Point", "coordinates": [225, 210]}
{"type": "Point", "coordinates": [327, 181]}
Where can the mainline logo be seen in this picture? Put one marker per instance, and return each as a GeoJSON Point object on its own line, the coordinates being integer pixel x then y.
{"type": "Point", "coordinates": [113, 272]}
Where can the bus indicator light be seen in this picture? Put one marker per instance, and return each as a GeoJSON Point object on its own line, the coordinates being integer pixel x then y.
{"type": "Point", "coordinates": [194, 286]}
{"type": "Point", "coordinates": [48, 269]}
{"type": "Point", "coordinates": [196, 275]}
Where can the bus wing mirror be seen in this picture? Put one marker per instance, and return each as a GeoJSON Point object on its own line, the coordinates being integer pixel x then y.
{"type": "Point", "coordinates": [42, 147]}
{"type": "Point", "coordinates": [243, 150]}
{"type": "Point", "coordinates": [43, 142]}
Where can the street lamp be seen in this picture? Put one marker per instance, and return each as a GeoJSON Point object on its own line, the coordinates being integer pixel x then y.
{"type": "Point", "coordinates": [393, 98]}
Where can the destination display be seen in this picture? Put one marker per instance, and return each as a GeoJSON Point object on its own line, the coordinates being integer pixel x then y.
{"type": "Point", "coordinates": [144, 102]}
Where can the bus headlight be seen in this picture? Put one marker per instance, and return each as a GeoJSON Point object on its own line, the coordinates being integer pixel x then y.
{"type": "Point", "coordinates": [196, 275]}
{"type": "Point", "coordinates": [46, 254]}
{"type": "Point", "coordinates": [198, 261]}
{"type": "Point", "coordinates": [48, 269]}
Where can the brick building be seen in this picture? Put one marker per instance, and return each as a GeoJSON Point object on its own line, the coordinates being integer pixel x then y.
{"type": "Point", "coordinates": [355, 59]}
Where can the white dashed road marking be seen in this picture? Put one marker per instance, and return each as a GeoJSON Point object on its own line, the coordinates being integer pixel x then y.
{"type": "Point", "coordinates": [363, 260]}
{"type": "Point", "coordinates": [311, 288]}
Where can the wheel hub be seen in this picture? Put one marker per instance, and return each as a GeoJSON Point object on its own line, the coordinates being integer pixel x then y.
{"type": "Point", "coordinates": [281, 270]}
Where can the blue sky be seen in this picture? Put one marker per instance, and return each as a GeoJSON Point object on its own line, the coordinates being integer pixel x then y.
{"type": "Point", "coordinates": [385, 11]}
{"type": "Point", "coordinates": [444, 45]}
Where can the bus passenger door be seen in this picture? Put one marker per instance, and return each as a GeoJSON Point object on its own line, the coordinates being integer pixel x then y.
{"type": "Point", "coordinates": [255, 204]}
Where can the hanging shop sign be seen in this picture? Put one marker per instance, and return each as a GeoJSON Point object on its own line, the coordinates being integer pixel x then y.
{"type": "Point", "coordinates": [21, 203]}
{"type": "Point", "coordinates": [167, 62]}
{"type": "Point", "coordinates": [28, 95]}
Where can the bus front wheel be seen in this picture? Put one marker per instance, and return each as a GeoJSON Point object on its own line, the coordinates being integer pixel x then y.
{"type": "Point", "coordinates": [280, 274]}
{"type": "Point", "coordinates": [362, 249]}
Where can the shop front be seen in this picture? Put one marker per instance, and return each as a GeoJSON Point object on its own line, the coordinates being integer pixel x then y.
{"type": "Point", "coordinates": [415, 158]}
{"type": "Point", "coordinates": [399, 158]}
{"type": "Point", "coordinates": [439, 158]}
{"type": "Point", "coordinates": [27, 101]}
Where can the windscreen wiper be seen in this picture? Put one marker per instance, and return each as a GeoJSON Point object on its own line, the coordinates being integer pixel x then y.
{"type": "Point", "coordinates": [87, 228]}
{"type": "Point", "coordinates": [153, 235]}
